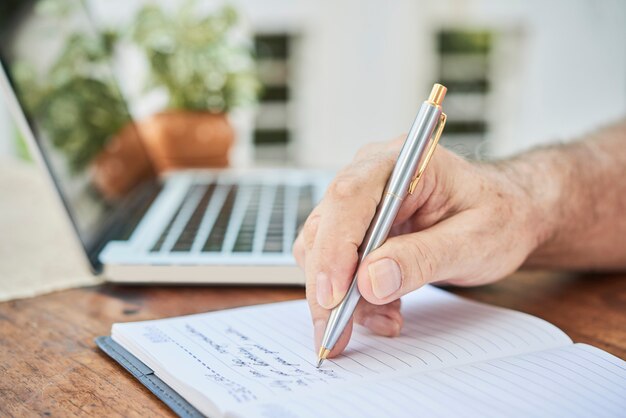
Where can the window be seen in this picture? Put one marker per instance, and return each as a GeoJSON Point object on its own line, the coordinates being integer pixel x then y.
{"type": "Point", "coordinates": [464, 58]}
{"type": "Point", "coordinates": [272, 134]}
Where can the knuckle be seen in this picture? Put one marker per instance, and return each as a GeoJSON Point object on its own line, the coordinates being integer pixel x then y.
{"type": "Point", "coordinates": [423, 263]}
{"type": "Point", "coordinates": [296, 249]}
{"type": "Point", "coordinates": [309, 230]}
{"type": "Point", "coordinates": [311, 295]}
{"type": "Point", "coordinates": [367, 150]}
{"type": "Point", "coordinates": [340, 259]}
{"type": "Point", "coordinates": [344, 187]}
{"type": "Point", "coordinates": [313, 216]}
{"type": "Point", "coordinates": [298, 252]}
{"type": "Point", "coordinates": [350, 190]}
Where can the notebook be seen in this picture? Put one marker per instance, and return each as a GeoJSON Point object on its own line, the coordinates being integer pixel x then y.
{"type": "Point", "coordinates": [454, 357]}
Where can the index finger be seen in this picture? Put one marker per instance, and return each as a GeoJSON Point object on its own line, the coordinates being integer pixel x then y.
{"type": "Point", "coordinates": [319, 316]}
{"type": "Point", "coordinates": [347, 210]}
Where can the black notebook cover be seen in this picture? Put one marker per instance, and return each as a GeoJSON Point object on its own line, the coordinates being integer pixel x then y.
{"type": "Point", "coordinates": [147, 377]}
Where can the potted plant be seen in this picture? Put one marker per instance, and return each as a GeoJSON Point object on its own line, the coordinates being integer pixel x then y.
{"type": "Point", "coordinates": [206, 70]}
{"type": "Point", "coordinates": [82, 112]}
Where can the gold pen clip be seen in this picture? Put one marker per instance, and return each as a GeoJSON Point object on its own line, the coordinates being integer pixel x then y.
{"type": "Point", "coordinates": [433, 145]}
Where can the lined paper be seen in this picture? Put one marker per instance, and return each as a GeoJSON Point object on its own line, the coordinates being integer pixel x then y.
{"type": "Point", "coordinates": [228, 358]}
{"type": "Point", "coordinates": [573, 381]}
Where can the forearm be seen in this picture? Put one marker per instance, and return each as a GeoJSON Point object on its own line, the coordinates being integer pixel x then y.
{"type": "Point", "coordinates": [577, 201]}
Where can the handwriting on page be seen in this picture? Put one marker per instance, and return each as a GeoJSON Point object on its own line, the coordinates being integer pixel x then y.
{"type": "Point", "coordinates": [262, 351]}
{"type": "Point", "coordinates": [238, 361]}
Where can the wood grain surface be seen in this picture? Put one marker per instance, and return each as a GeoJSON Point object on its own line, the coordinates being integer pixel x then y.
{"type": "Point", "coordinates": [50, 366]}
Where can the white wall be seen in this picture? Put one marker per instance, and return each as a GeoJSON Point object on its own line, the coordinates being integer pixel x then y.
{"type": "Point", "coordinates": [361, 77]}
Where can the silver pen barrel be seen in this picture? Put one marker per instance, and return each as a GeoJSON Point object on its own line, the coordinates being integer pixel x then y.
{"type": "Point", "coordinates": [397, 187]}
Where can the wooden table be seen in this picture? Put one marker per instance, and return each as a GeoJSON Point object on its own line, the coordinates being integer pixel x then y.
{"type": "Point", "coordinates": [50, 366]}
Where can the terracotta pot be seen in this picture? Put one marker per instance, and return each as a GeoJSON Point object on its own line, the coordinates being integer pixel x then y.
{"type": "Point", "coordinates": [122, 164]}
{"type": "Point", "coordinates": [186, 139]}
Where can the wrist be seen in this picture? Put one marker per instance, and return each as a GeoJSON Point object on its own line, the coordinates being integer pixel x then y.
{"type": "Point", "coordinates": [537, 189]}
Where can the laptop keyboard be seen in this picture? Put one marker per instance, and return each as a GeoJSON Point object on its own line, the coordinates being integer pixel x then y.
{"type": "Point", "coordinates": [237, 218]}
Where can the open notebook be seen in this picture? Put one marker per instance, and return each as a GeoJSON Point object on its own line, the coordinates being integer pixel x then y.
{"type": "Point", "coordinates": [454, 358]}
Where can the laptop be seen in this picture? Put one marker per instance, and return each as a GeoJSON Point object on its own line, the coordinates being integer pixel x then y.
{"type": "Point", "coordinates": [222, 226]}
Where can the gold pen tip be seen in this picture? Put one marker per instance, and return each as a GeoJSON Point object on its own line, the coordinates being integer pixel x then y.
{"type": "Point", "coordinates": [322, 355]}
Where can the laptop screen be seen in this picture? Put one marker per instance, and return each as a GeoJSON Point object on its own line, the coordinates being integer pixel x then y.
{"type": "Point", "coordinates": [59, 68]}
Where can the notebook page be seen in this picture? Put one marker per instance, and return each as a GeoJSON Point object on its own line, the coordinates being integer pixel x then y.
{"type": "Point", "coordinates": [572, 381]}
{"type": "Point", "coordinates": [248, 354]}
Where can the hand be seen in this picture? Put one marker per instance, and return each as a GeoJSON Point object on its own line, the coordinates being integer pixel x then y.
{"type": "Point", "coordinates": [465, 224]}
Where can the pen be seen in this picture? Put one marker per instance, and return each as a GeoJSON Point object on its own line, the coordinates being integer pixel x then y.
{"type": "Point", "coordinates": [413, 159]}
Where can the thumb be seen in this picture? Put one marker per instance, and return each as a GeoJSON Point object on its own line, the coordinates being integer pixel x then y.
{"type": "Point", "coordinates": [407, 262]}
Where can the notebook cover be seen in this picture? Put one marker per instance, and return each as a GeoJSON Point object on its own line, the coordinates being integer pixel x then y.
{"type": "Point", "coordinates": [147, 377]}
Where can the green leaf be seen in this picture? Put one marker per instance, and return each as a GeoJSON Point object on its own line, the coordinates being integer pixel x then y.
{"type": "Point", "coordinates": [193, 56]}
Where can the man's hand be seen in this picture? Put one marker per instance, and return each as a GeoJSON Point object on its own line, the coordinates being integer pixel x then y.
{"type": "Point", "coordinates": [465, 224]}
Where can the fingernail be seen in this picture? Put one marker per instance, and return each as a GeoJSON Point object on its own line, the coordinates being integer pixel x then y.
{"type": "Point", "coordinates": [319, 327]}
{"type": "Point", "coordinates": [385, 276]}
{"type": "Point", "coordinates": [382, 325]}
{"type": "Point", "coordinates": [324, 290]}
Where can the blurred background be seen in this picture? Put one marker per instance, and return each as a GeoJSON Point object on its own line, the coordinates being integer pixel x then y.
{"type": "Point", "coordinates": [120, 91]}
{"type": "Point", "coordinates": [335, 75]}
